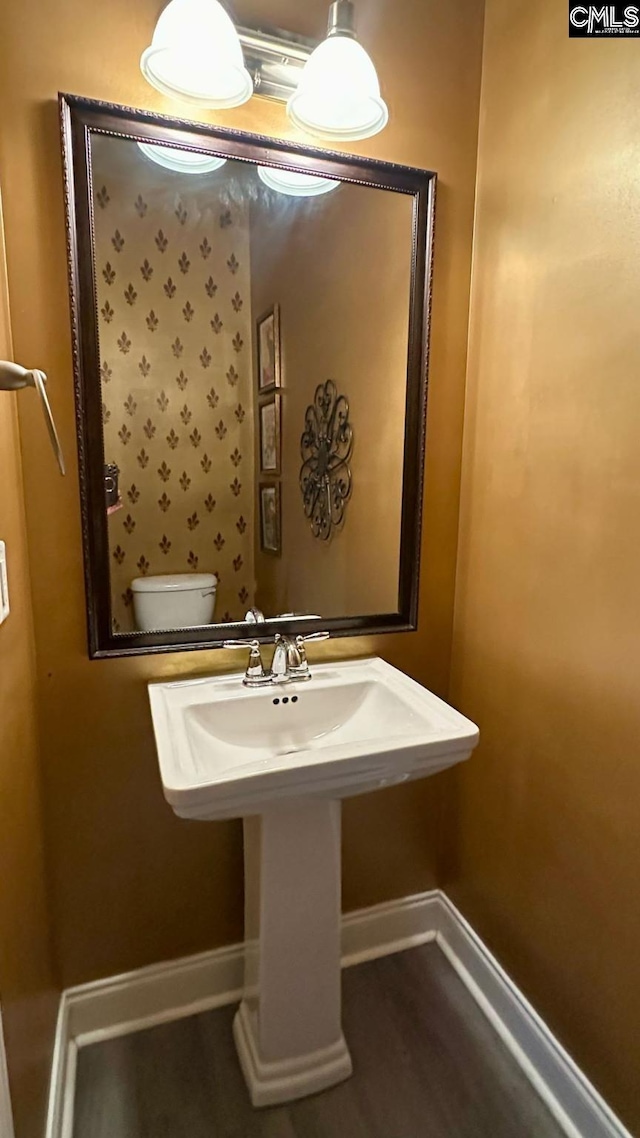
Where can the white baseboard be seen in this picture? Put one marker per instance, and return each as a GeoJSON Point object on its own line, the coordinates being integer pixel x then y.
{"type": "Point", "coordinates": [158, 994]}
{"type": "Point", "coordinates": [165, 992]}
{"type": "Point", "coordinates": [62, 1085]}
{"type": "Point", "coordinates": [6, 1113]}
{"type": "Point", "coordinates": [578, 1107]}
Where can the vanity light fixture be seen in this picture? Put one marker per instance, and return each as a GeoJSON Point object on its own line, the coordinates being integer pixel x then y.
{"type": "Point", "coordinates": [195, 56]}
{"type": "Point", "coordinates": [338, 96]}
{"type": "Point", "coordinates": [295, 184]}
{"type": "Point", "coordinates": [181, 161]}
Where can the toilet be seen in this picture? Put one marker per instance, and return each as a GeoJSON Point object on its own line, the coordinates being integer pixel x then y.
{"type": "Point", "coordinates": [176, 600]}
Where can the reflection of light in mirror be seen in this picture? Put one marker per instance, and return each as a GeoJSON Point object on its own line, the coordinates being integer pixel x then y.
{"type": "Point", "coordinates": [195, 55]}
{"type": "Point", "coordinates": [181, 161]}
{"type": "Point", "coordinates": [295, 184]}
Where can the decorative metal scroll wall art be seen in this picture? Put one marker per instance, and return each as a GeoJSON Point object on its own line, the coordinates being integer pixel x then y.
{"type": "Point", "coordinates": [326, 446]}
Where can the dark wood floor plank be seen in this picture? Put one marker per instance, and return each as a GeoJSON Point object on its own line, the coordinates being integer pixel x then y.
{"type": "Point", "coordinates": [172, 1085]}
{"type": "Point", "coordinates": [106, 1101]}
{"type": "Point", "coordinates": [465, 1068]}
{"type": "Point", "coordinates": [427, 1064]}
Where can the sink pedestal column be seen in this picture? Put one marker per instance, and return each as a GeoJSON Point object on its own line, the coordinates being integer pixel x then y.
{"type": "Point", "coordinates": [288, 1028]}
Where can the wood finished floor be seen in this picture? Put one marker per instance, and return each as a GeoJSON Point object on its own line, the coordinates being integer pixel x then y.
{"type": "Point", "coordinates": [427, 1064]}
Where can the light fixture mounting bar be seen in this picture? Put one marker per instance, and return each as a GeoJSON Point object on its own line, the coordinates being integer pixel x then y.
{"type": "Point", "coordinates": [275, 59]}
{"type": "Point", "coordinates": [342, 18]}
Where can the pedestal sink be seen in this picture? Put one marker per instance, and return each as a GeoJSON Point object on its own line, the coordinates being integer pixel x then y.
{"type": "Point", "coordinates": [281, 758]}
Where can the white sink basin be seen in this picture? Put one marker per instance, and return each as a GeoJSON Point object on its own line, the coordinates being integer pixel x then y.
{"type": "Point", "coordinates": [229, 751]}
{"type": "Point", "coordinates": [282, 757]}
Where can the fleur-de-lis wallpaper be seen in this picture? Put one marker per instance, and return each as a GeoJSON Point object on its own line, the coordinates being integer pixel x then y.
{"type": "Point", "coordinates": [174, 303]}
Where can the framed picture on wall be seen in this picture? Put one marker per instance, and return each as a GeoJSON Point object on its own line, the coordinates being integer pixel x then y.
{"type": "Point", "coordinates": [269, 356]}
{"type": "Point", "coordinates": [270, 518]}
{"type": "Point", "coordinates": [270, 435]}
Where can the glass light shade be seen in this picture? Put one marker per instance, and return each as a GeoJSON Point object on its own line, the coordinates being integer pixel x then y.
{"type": "Point", "coordinates": [182, 161]}
{"type": "Point", "coordinates": [195, 55]}
{"type": "Point", "coordinates": [294, 184]}
{"type": "Point", "coordinates": [338, 96]}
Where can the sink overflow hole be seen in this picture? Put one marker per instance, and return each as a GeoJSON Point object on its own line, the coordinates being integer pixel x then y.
{"type": "Point", "coordinates": [294, 699]}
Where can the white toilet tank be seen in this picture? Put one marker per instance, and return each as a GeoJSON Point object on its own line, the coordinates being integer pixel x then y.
{"type": "Point", "coordinates": [176, 600]}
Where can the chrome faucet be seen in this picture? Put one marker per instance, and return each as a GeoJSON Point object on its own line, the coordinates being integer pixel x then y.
{"type": "Point", "coordinates": [290, 657]}
{"type": "Point", "coordinates": [286, 659]}
{"type": "Point", "coordinates": [254, 616]}
{"type": "Point", "coordinates": [289, 662]}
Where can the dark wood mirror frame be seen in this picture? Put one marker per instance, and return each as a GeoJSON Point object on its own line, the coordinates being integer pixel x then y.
{"type": "Point", "coordinates": [80, 118]}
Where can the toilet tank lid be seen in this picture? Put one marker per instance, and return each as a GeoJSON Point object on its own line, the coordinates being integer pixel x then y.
{"type": "Point", "coordinates": [175, 583]}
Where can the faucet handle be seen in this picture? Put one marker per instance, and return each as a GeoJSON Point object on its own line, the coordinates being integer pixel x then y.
{"type": "Point", "coordinates": [301, 670]}
{"type": "Point", "coordinates": [255, 675]}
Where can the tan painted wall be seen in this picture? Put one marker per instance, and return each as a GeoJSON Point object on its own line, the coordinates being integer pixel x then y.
{"type": "Point", "coordinates": [545, 819]}
{"type": "Point", "coordinates": [27, 994]}
{"type": "Point", "coordinates": [339, 266]}
{"type": "Point", "coordinates": [132, 883]}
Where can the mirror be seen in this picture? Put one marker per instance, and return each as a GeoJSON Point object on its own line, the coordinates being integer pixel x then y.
{"type": "Point", "coordinates": [251, 323]}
